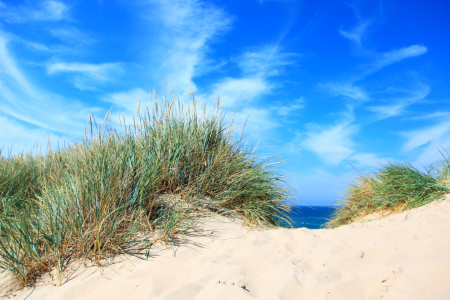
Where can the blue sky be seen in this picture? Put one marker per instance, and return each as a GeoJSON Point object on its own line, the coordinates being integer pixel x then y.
{"type": "Point", "coordinates": [333, 86]}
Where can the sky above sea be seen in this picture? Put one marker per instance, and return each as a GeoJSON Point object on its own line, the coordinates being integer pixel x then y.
{"type": "Point", "coordinates": [336, 88]}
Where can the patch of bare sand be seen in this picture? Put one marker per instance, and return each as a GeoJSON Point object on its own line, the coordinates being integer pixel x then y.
{"type": "Point", "coordinates": [402, 256]}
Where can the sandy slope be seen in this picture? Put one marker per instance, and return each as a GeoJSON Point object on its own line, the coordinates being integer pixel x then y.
{"type": "Point", "coordinates": [404, 256]}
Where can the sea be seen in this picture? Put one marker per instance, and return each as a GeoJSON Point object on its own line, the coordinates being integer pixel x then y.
{"type": "Point", "coordinates": [311, 217]}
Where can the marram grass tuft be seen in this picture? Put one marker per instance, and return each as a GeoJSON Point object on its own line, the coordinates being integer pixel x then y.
{"type": "Point", "coordinates": [124, 189]}
{"type": "Point", "coordinates": [393, 188]}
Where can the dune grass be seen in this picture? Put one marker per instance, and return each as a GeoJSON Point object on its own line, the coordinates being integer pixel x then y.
{"type": "Point", "coordinates": [124, 189]}
{"type": "Point", "coordinates": [393, 188]}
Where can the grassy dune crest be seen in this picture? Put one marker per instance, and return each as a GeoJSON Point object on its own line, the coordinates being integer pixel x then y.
{"type": "Point", "coordinates": [124, 189]}
{"type": "Point", "coordinates": [393, 188]}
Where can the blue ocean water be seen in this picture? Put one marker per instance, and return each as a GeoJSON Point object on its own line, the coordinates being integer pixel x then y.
{"type": "Point", "coordinates": [312, 217]}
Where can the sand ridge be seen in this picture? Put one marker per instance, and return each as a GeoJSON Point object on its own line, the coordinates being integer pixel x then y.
{"type": "Point", "coordinates": [402, 256]}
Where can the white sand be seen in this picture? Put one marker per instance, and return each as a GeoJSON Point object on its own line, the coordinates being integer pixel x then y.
{"type": "Point", "coordinates": [403, 256]}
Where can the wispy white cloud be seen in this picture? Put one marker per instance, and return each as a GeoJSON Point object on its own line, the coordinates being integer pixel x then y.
{"type": "Point", "coordinates": [72, 36]}
{"type": "Point", "coordinates": [129, 100]}
{"type": "Point", "coordinates": [233, 91]}
{"type": "Point", "coordinates": [36, 46]}
{"type": "Point", "coordinates": [380, 60]}
{"type": "Point", "coordinates": [194, 15]}
{"type": "Point", "coordinates": [346, 89]}
{"type": "Point", "coordinates": [69, 40]}
{"type": "Point", "coordinates": [424, 136]}
{"type": "Point", "coordinates": [43, 11]}
{"type": "Point", "coordinates": [258, 66]}
{"type": "Point", "coordinates": [44, 110]}
{"type": "Point", "coordinates": [356, 34]}
{"type": "Point", "coordinates": [33, 45]}
{"type": "Point", "coordinates": [9, 67]}
{"type": "Point", "coordinates": [87, 73]}
{"type": "Point", "coordinates": [427, 143]}
{"type": "Point", "coordinates": [435, 115]}
{"type": "Point", "coordinates": [367, 160]}
{"type": "Point", "coordinates": [126, 103]}
{"type": "Point", "coordinates": [432, 152]}
{"type": "Point", "coordinates": [16, 138]}
{"type": "Point", "coordinates": [400, 54]}
{"type": "Point", "coordinates": [35, 112]}
{"type": "Point", "coordinates": [399, 105]}
{"type": "Point", "coordinates": [52, 10]}
{"type": "Point", "coordinates": [388, 111]}
{"type": "Point", "coordinates": [208, 65]}
{"type": "Point", "coordinates": [98, 71]}
{"type": "Point", "coordinates": [189, 28]}
{"type": "Point", "coordinates": [332, 144]}
{"type": "Point", "coordinates": [13, 106]}
{"type": "Point", "coordinates": [387, 58]}
{"type": "Point", "coordinates": [256, 120]}
{"type": "Point", "coordinates": [266, 61]}
{"type": "Point", "coordinates": [335, 144]}
{"type": "Point", "coordinates": [72, 41]}
{"type": "Point", "coordinates": [289, 108]}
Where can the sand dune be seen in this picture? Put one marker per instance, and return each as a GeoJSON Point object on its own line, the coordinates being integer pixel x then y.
{"type": "Point", "coordinates": [403, 256]}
